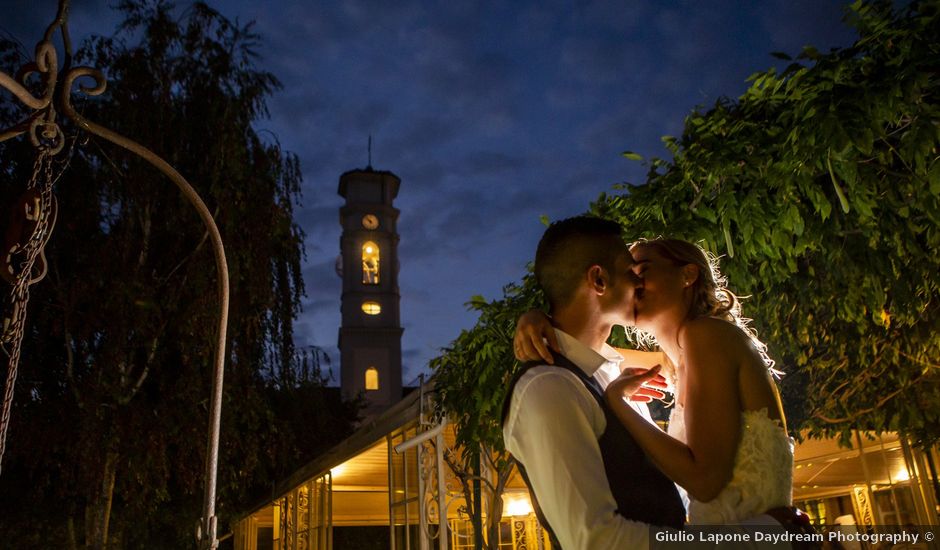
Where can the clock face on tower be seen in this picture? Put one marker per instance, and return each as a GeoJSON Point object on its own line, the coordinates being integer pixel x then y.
{"type": "Point", "coordinates": [369, 221]}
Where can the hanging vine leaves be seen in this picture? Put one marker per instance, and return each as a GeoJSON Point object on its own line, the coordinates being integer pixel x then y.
{"type": "Point", "coordinates": [818, 179]}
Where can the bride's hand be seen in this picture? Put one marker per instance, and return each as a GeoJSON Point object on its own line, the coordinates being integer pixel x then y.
{"type": "Point", "coordinates": [529, 343]}
{"type": "Point", "coordinates": [641, 385]}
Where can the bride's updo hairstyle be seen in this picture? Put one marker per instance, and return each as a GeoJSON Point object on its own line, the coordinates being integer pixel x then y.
{"type": "Point", "coordinates": [710, 296]}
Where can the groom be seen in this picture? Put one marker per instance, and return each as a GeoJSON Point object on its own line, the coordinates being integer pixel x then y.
{"type": "Point", "coordinates": [591, 484]}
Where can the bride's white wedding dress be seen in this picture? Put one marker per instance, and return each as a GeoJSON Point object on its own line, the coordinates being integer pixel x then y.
{"type": "Point", "coordinates": [762, 478]}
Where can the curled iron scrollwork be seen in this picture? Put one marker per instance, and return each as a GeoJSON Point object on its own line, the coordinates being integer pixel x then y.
{"type": "Point", "coordinates": [47, 136]}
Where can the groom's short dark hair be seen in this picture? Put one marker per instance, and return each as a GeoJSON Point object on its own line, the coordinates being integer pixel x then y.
{"type": "Point", "coordinates": [569, 248]}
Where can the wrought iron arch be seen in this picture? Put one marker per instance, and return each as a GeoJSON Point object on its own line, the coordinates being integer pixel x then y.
{"type": "Point", "coordinates": [23, 263]}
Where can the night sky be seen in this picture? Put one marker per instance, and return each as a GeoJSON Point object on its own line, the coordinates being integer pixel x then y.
{"type": "Point", "coordinates": [492, 114]}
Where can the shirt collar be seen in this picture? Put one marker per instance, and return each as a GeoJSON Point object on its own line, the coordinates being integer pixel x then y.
{"type": "Point", "coordinates": [584, 357]}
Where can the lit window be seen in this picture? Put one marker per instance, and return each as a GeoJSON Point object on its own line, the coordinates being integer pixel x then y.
{"type": "Point", "coordinates": [372, 378]}
{"type": "Point", "coordinates": [371, 308]}
{"type": "Point", "coordinates": [370, 263]}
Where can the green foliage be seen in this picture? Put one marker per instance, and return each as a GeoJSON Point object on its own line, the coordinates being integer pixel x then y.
{"type": "Point", "coordinates": [471, 381]}
{"type": "Point", "coordinates": [472, 375]}
{"type": "Point", "coordinates": [820, 186]}
{"type": "Point", "coordinates": [631, 155]}
{"type": "Point", "coordinates": [816, 186]}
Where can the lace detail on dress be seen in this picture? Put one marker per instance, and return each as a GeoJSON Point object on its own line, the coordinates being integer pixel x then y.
{"type": "Point", "coordinates": [763, 470]}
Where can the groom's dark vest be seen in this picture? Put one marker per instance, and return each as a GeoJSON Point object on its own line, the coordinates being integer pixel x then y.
{"type": "Point", "coordinates": [641, 491]}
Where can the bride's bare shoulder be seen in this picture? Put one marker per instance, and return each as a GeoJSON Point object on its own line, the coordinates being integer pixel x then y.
{"type": "Point", "coordinates": [710, 326]}
{"type": "Point", "coordinates": [717, 334]}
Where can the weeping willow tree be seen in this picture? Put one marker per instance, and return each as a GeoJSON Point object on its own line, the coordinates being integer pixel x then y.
{"type": "Point", "coordinates": [106, 444]}
{"type": "Point", "coordinates": [820, 189]}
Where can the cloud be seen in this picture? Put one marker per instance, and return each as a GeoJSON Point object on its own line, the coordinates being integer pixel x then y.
{"type": "Point", "coordinates": [419, 136]}
{"type": "Point", "coordinates": [490, 163]}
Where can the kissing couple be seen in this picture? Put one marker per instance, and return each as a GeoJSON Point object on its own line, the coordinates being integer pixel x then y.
{"type": "Point", "coordinates": [601, 473]}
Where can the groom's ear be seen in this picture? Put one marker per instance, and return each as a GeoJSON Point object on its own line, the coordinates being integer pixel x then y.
{"type": "Point", "coordinates": [597, 279]}
{"type": "Point", "coordinates": [690, 273]}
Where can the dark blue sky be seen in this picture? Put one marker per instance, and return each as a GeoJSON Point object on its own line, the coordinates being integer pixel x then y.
{"type": "Point", "coordinates": [492, 114]}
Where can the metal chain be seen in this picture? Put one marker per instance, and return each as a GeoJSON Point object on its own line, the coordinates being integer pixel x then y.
{"type": "Point", "coordinates": [48, 143]}
{"type": "Point", "coordinates": [14, 325]}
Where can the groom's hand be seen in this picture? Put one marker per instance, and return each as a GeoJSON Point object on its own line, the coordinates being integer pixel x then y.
{"type": "Point", "coordinates": [641, 385]}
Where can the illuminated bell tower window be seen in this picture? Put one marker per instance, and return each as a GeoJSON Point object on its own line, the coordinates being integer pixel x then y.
{"type": "Point", "coordinates": [372, 379]}
{"type": "Point", "coordinates": [371, 308]}
{"type": "Point", "coordinates": [370, 263]}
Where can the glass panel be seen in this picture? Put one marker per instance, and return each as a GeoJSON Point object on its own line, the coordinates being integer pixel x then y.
{"type": "Point", "coordinates": [264, 539]}
{"type": "Point", "coordinates": [461, 534]}
{"type": "Point", "coordinates": [411, 508]}
{"type": "Point", "coordinates": [896, 505]}
{"type": "Point", "coordinates": [398, 476]}
{"type": "Point", "coordinates": [506, 528]}
{"type": "Point", "coordinates": [404, 467]}
{"type": "Point", "coordinates": [404, 491]}
{"type": "Point", "coordinates": [815, 509]}
{"type": "Point", "coordinates": [412, 473]}
{"type": "Point", "coordinates": [371, 308]}
{"type": "Point", "coordinates": [276, 535]}
{"type": "Point", "coordinates": [399, 538]}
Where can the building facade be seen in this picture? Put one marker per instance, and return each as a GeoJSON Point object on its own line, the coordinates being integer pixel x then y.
{"type": "Point", "coordinates": [389, 487]}
{"type": "Point", "coordinates": [386, 487]}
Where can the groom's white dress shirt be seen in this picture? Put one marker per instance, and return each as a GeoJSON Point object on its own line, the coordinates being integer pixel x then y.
{"type": "Point", "coordinates": [552, 428]}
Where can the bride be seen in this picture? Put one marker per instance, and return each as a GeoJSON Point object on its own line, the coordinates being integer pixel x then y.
{"type": "Point", "coordinates": [727, 443]}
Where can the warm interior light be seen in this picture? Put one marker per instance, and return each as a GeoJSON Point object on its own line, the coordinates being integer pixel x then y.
{"type": "Point", "coordinates": [901, 475]}
{"type": "Point", "coordinates": [370, 263]}
{"type": "Point", "coordinates": [337, 471]}
{"type": "Point", "coordinates": [277, 521]}
{"type": "Point", "coordinates": [516, 504]}
{"type": "Point", "coordinates": [372, 379]}
{"type": "Point", "coordinates": [371, 308]}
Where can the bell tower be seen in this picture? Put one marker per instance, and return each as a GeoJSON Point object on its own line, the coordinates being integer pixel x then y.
{"type": "Point", "coordinates": [370, 335]}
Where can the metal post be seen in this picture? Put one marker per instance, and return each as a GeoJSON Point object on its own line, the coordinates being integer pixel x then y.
{"type": "Point", "coordinates": [422, 513]}
{"type": "Point", "coordinates": [441, 491]}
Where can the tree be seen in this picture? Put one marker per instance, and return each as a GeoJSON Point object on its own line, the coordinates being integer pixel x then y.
{"type": "Point", "coordinates": [114, 383]}
{"type": "Point", "coordinates": [470, 381]}
{"type": "Point", "coordinates": [820, 187]}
